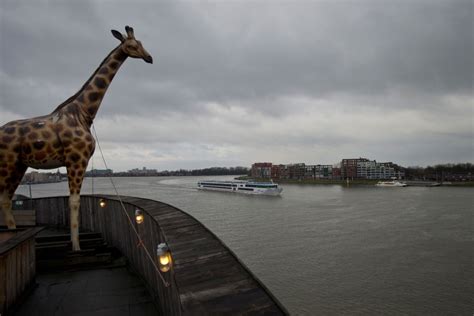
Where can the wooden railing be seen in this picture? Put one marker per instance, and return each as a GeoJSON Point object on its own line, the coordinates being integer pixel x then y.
{"type": "Point", "coordinates": [206, 276]}
{"type": "Point", "coordinates": [17, 265]}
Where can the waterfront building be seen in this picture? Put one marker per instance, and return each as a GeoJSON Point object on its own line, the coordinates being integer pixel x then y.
{"type": "Point", "coordinates": [99, 173]}
{"type": "Point", "coordinates": [349, 167]}
{"type": "Point", "coordinates": [143, 172]}
{"type": "Point", "coordinates": [318, 172]}
{"type": "Point", "coordinates": [41, 177]}
{"type": "Point", "coordinates": [261, 170]}
{"type": "Point", "coordinates": [363, 168]}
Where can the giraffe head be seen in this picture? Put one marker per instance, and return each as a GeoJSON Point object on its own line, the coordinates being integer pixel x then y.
{"type": "Point", "coordinates": [131, 46]}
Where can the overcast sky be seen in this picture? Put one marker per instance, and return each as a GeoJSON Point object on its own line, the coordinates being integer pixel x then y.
{"type": "Point", "coordinates": [235, 82]}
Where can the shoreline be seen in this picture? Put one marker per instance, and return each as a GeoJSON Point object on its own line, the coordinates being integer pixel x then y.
{"type": "Point", "coordinates": [354, 182]}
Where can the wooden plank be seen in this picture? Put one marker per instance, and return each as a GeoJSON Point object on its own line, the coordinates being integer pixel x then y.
{"type": "Point", "coordinates": [22, 235]}
{"type": "Point", "coordinates": [22, 217]}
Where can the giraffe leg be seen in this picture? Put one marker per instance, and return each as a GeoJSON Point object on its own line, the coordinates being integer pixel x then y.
{"type": "Point", "coordinates": [74, 205]}
{"type": "Point", "coordinates": [75, 174]}
{"type": "Point", "coordinates": [6, 206]}
{"type": "Point", "coordinates": [13, 180]}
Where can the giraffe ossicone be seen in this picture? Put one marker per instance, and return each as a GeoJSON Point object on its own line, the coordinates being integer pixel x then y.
{"type": "Point", "coordinates": [63, 137]}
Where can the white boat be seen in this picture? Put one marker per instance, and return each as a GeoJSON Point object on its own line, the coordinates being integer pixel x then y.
{"type": "Point", "coordinates": [245, 187]}
{"type": "Point", "coordinates": [391, 184]}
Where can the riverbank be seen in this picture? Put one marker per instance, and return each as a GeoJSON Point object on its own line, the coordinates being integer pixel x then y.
{"type": "Point", "coordinates": [345, 183]}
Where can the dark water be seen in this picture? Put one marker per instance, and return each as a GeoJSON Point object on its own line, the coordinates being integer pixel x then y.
{"type": "Point", "coordinates": [333, 250]}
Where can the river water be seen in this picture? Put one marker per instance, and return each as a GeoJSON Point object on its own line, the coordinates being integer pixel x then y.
{"type": "Point", "coordinates": [332, 250]}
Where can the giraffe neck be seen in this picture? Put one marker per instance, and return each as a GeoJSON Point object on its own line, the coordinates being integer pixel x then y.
{"type": "Point", "coordinates": [93, 91]}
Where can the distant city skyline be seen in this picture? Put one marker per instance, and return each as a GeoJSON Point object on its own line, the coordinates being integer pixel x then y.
{"type": "Point", "coordinates": [238, 82]}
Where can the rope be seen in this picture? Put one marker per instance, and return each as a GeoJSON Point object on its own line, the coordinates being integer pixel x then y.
{"type": "Point", "coordinates": [140, 241]}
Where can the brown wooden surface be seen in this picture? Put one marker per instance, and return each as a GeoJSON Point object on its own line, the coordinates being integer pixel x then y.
{"type": "Point", "coordinates": [17, 266]}
{"type": "Point", "coordinates": [206, 278]}
{"type": "Point", "coordinates": [22, 218]}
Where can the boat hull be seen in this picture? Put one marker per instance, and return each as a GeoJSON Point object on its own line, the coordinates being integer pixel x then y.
{"type": "Point", "coordinates": [242, 187]}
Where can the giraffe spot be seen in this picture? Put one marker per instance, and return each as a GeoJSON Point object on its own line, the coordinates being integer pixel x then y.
{"type": "Point", "coordinates": [71, 122]}
{"type": "Point", "coordinates": [100, 83]}
{"type": "Point", "coordinates": [58, 128]}
{"type": "Point", "coordinates": [2, 188]}
{"type": "Point", "coordinates": [38, 125]}
{"type": "Point", "coordinates": [91, 110]}
{"type": "Point", "coordinates": [75, 157]}
{"type": "Point", "coordinates": [89, 138]}
{"type": "Point", "coordinates": [80, 145]}
{"type": "Point", "coordinates": [67, 134]}
{"type": "Point", "coordinates": [72, 174]}
{"type": "Point", "coordinates": [76, 166]}
{"type": "Point", "coordinates": [39, 144]}
{"type": "Point", "coordinates": [104, 71]}
{"type": "Point", "coordinates": [114, 65]}
{"type": "Point", "coordinates": [2, 156]}
{"type": "Point", "coordinates": [24, 130]}
{"type": "Point", "coordinates": [74, 225]}
{"type": "Point", "coordinates": [80, 173]}
{"type": "Point", "coordinates": [46, 134]}
{"type": "Point", "coordinates": [79, 132]}
{"type": "Point", "coordinates": [78, 180]}
{"type": "Point", "coordinates": [26, 149]}
{"type": "Point", "coordinates": [81, 98]}
{"type": "Point", "coordinates": [9, 130]}
{"type": "Point", "coordinates": [33, 136]}
{"type": "Point", "coordinates": [84, 164]}
{"type": "Point", "coordinates": [111, 76]}
{"type": "Point", "coordinates": [3, 146]}
{"type": "Point", "coordinates": [17, 149]}
{"type": "Point", "coordinates": [56, 144]}
{"type": "Point", "coordinates": [68, 150]}
{"type": "Point", "coordinates": [11, 158]}
{"type": "Point", "coordinates": [40, 156]}
{"type": "Point", "coordinates": [93, 96]}
{"type": "Point", "coordinates": [3, 173]}
{"type": "Point", "coordinates": [7, 139]}
{"type": "Point", "coordinates": [11, 223]}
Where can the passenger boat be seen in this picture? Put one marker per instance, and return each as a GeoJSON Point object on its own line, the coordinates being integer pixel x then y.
{"type": "Point", "coordinates": [391, 184]}
{"type": "Point", "coordinates": [246, 187]}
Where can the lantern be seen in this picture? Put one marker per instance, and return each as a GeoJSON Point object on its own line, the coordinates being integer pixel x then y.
{"type": "Point", "coordinates": [102, 203]}
{"type": "Point", "coordinates": [139, 216]}
{"type": "Point", "coordinates": [164, 257]}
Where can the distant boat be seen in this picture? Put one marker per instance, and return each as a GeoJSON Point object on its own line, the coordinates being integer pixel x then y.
{"type": "Point", "coordinates": [391, 184]}
{"type": "Point", "coordinates": [245, 187]}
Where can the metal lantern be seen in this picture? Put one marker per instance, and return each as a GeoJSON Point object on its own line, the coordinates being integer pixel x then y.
{"type": "Point", "coordinates": [139, 217]}
{"type": "Point", "coordinates": [164, 257]}
{"type": "Point", "coordinates": [102, 203]}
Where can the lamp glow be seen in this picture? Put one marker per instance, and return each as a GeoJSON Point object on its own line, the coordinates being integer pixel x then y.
{"type": "Point", "coordinates": [139, 218]}
{"type": "Point", "coordinates": [102, 203]}
{"type": "Point", "coordinates": [164, 257]}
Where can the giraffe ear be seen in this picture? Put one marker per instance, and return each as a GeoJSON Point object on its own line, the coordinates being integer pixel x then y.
{"type": "Point", "coordinates": [118, 35]}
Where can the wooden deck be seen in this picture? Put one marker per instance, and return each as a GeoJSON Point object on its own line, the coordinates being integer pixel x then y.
{"type": "Point", "coordinates": [206, 278]}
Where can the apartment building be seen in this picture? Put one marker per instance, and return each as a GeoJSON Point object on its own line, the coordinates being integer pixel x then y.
{"type": "Point", "coordinates": [261, 170]}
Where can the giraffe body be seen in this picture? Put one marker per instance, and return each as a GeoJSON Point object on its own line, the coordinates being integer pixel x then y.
{"type": "Point", "coordinates": [62, 138]}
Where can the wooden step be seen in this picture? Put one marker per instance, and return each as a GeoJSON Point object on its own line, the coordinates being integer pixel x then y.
{"type": "Point", "coordinates": [66, 237]}
{"type": "Point", "coordinates": [54, 252]}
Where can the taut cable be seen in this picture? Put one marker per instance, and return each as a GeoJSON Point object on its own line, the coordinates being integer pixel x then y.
{"type": "Point", "coordinates": [140, 241]}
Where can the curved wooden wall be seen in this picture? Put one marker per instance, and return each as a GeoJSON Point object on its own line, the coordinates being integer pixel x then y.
{"type": "Point", "coordinates": [206, 278]}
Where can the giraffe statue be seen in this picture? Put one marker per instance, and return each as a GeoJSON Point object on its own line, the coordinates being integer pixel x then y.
{"type": "Point", "coordinates": [62, 138]}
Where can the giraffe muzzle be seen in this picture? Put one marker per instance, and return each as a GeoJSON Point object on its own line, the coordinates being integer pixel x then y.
{"type": "Point", "coordinates": [148, 59]}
